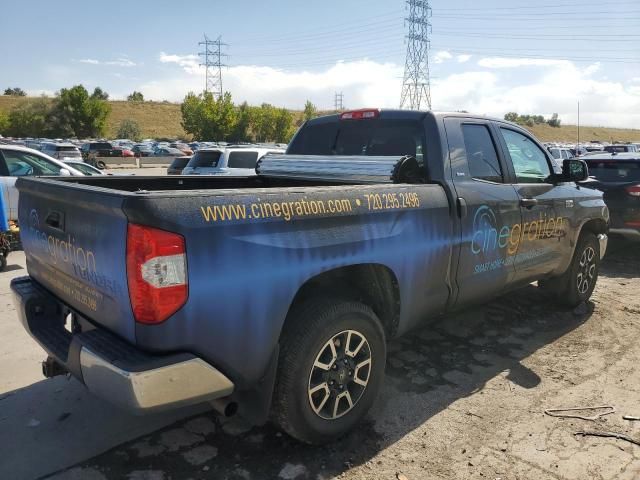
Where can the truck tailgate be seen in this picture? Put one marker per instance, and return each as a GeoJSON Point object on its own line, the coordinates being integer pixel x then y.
{"type": "Point", "coordinates": [74, 237]}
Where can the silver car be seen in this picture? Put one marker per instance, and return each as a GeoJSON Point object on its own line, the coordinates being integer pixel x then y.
{"type": "Point", "coordinates": [61, 151]}
{"type": "Point", "coordinates": [239, 161]}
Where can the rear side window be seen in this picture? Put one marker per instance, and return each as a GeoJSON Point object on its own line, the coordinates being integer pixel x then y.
{"type": "Point", "coordinates": [481, 154]}
{"type": "Point", "coordinates": [180, 162]}
{"type": "Point", "coordinates": [204, 159]}
{"type": "Point", "coordinates": [377, 137]}
{"type": "Point", "coordinates": [242, 159]}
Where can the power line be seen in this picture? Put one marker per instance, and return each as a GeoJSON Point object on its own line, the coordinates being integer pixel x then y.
{"type": "Point", "coordinates": [212, 56]}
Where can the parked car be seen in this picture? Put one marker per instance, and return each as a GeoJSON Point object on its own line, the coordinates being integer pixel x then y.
{"type": "Point", "coordinates": [560, 153]}
{"type": "Point", "coordinates": [100, 149]}
{"type": "Point", "coordinates": [17, 161]}
{"type": "Point", "coordinates": [177, 165]}
{"type": "Point", "coordinates": [228, 161]}
{"type": "Point", "coordinates": [167, 152]}
{"type": "Point", "coordinates": [61, 151]}
{"type": "Point", "coordinates": [621, 148]}
{"type": "Point", "coordinates": [182, 147]}
{"type": "Point", "coordinates": [279, 292]}
{"type": "Point", "coordinates": [618, 176]}
{"type": "Point", "coordinates": [128, 153]}
{"type": "Point", "coordinates": [85, 168]}
{"type": "Point", "coordinates": [141, 150]}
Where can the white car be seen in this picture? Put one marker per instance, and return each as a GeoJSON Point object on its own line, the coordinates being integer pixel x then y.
{"type": "Point", "coordinates": [16, 161]}
{"type": "Point", "coordinates": [240, 161]}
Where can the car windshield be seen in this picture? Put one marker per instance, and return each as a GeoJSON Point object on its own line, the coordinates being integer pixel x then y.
{"type": "Point", "coordinates": [376, 137]}
{"type": "Point", "coordinates": [614, 171]}
{"type": "Point", "coordinates": [204, 159]}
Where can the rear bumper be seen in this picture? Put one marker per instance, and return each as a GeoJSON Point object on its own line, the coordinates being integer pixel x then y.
{"type": "Point", "coordinates": [112, 368]}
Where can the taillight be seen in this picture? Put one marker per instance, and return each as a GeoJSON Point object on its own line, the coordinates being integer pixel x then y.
{"type": "Point", "coordinates": [156, 273]}
{"type": "Point", "coordinates": [365, 113]}
{"type": "Point", "coordinates": [634, 190]}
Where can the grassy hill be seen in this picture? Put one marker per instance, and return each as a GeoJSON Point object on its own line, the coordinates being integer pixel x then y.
{"type": "Point", "coordinates": [162, 119]}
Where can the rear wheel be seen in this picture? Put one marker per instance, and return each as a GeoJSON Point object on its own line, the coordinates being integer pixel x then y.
{"type": "Point", "coordinates": [101, 165]}
{"type": "Point", "coordinates": [576, 285]}
{"type": "Point", "coordinates": [330, 369]}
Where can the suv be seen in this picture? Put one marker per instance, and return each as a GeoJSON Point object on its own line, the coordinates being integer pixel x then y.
{"type": "Point", "coordinates": [624, 148]}
{"type": "Point", "coordinates": [61, 151]}
{"type": "Point", "coordinates": [100, 149]}
{"type": "Point", "coordinates": [239, 161]}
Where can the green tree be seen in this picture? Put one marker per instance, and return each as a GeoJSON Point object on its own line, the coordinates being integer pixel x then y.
{"type": "Point", "coordinates": [242, 129]}
{"type": "Point", "coordinates": [554, 121]}
{"type": "Point", "coordinates": [75, 113]}
{"type": "Point", "coordinates": [207, 118]}
{"type": "Point", "coordinates": [4, 123]}
{"type": "Point", "coordinates": [265, 121]}
{"type": "Point", "coordinates": [99, 94]}
{"type": "Point", "coordinates": [511, 117]}
{"type": "Point", "coordinates": [15, 92]}
{"type": "Point", "coordinates": [135, 97]}
{"type": "Point", "coordinates": [29, 119]}
{"type": "Point", "coordinates": [129, 129]}
{"type": "Point", "coordinates": [310, 111]}
{"type": "Point", "coordinates": [283, 126]}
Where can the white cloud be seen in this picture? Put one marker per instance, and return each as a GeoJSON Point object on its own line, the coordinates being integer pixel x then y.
{"type": "Point", "coordinates": [441, 56]}
{"type": "Point", "coordinates": [549, 86]}
{"type": "Point", "coordinates": [119, 62]}
{"type": "Point", "coordinates": [189, 63]}
{"type": "Point", "coordinates": [464, 58]}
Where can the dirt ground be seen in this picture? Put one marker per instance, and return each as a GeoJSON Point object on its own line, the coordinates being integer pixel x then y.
{"type": "Point", "coordinates": [464, 398]}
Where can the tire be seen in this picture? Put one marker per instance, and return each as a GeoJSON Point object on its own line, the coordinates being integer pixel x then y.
{"type": "Point", "coordinates": [101, 165]}
{"type": "Point", "coordinates": [576, 285]}
{"type": "Point", "coordinates": [322, 346]}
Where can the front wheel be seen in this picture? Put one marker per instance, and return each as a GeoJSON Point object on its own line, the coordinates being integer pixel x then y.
{"type": "Point", "coordinates": [331, 366]}
{"type": "Point", "coordinates": [576, 285]}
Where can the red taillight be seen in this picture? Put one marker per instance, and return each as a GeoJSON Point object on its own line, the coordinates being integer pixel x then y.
{"type": "Point", "coordinates": [156, 273]}
{"type": "Point", "coordinates": [365, 113]}
{"type": "Point", "coordinates": [634, 190]}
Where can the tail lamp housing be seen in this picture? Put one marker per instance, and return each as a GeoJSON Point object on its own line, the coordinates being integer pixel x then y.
{"type": "Point", "coordinates": [156, 273]}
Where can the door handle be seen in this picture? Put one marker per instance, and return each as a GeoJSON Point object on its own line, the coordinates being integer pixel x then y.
{"type": "Point", "coordinates": [528, 202]}
{"type": "Point", "coordinates": [55, 220]}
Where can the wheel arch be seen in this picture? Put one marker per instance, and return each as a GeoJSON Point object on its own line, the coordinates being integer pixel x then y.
{"type": "Point", "coordinates": [373, 284]}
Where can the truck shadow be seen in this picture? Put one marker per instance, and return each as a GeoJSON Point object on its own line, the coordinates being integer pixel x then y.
{"type": "Point", "coordinates": [427, 371]}
{"type": "Point", "coordinates": [622, 259]}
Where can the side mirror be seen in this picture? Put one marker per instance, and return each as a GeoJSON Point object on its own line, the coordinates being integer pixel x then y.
{"type": "Point", "coordinates": [64, 172]}
{"type": "Point", "coordinates": [574, 170]}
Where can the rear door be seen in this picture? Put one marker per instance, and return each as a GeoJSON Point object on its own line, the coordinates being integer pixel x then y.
{"type": "Point", "coordinates": [488, 207]}
{"type": "Point", "coordinates": [546, 207]}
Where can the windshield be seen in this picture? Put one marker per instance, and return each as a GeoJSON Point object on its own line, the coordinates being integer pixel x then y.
{"type": "Point", "coordinates": [204, 159]}
{"type": "Point", "coordinates": [614, 171]}
{"type": "Point", "coordinates": [360, 137]}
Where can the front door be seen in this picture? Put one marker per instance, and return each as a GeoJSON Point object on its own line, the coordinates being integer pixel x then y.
{"type": "Point", "coordinates": [488, 207]}
{"type": "Point", "coordinates": [545, 228]}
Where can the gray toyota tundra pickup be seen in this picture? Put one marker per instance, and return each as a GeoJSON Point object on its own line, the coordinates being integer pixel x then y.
{"type": "Point", "coordinates": [275, 295]}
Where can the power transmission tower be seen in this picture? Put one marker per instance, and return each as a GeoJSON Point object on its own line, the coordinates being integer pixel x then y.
{"type": "Point", "coordinates": [338, 101]}
{"type": "Point", "coordinates": [416, 87]}
{"type": "Point", "coordinates": [212, 56]}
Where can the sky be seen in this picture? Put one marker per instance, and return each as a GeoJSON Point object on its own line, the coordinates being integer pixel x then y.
{"type": "Point", "coordinates": [487, 56]}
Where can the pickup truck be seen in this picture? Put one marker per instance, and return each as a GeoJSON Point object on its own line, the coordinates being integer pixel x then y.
{"type": "Point", "coordinates": [275, 295]}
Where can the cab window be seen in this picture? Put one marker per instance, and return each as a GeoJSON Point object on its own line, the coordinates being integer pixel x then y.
{"type": "Point", "coordinates": [481, 154]}
{"type": "Point", "coordinates": [22, 164]}
{"type": "Point", "coordinates": [529, 161]}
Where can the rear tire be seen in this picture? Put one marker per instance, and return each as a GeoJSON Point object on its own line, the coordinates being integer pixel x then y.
{"type": "Point", "coordinates": [576, 285]}
{"type": "Point", "coordinates": [101, 165]}
{"type": "Point", "coordinates": [331, 366]}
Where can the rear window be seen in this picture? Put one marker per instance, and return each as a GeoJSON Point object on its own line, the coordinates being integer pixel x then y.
{"type": "Point", "coordinates": [242, 159]}
{"type": "Point", "coordinates": [65, 149]}
{"type": "Point", "coordinates": [616, 148]}
{"type": "Point", "coordinates": [204, 159]}
{"type": "Point", "coordinates": [612, 171]}
{"type": "Point", "coordinates": [361, 137]}
{"type": "Point", "coordinates": [101, 146]}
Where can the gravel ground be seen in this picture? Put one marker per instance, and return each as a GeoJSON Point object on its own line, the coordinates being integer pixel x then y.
{"type": "Point", "coordinates": [464, 398]}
